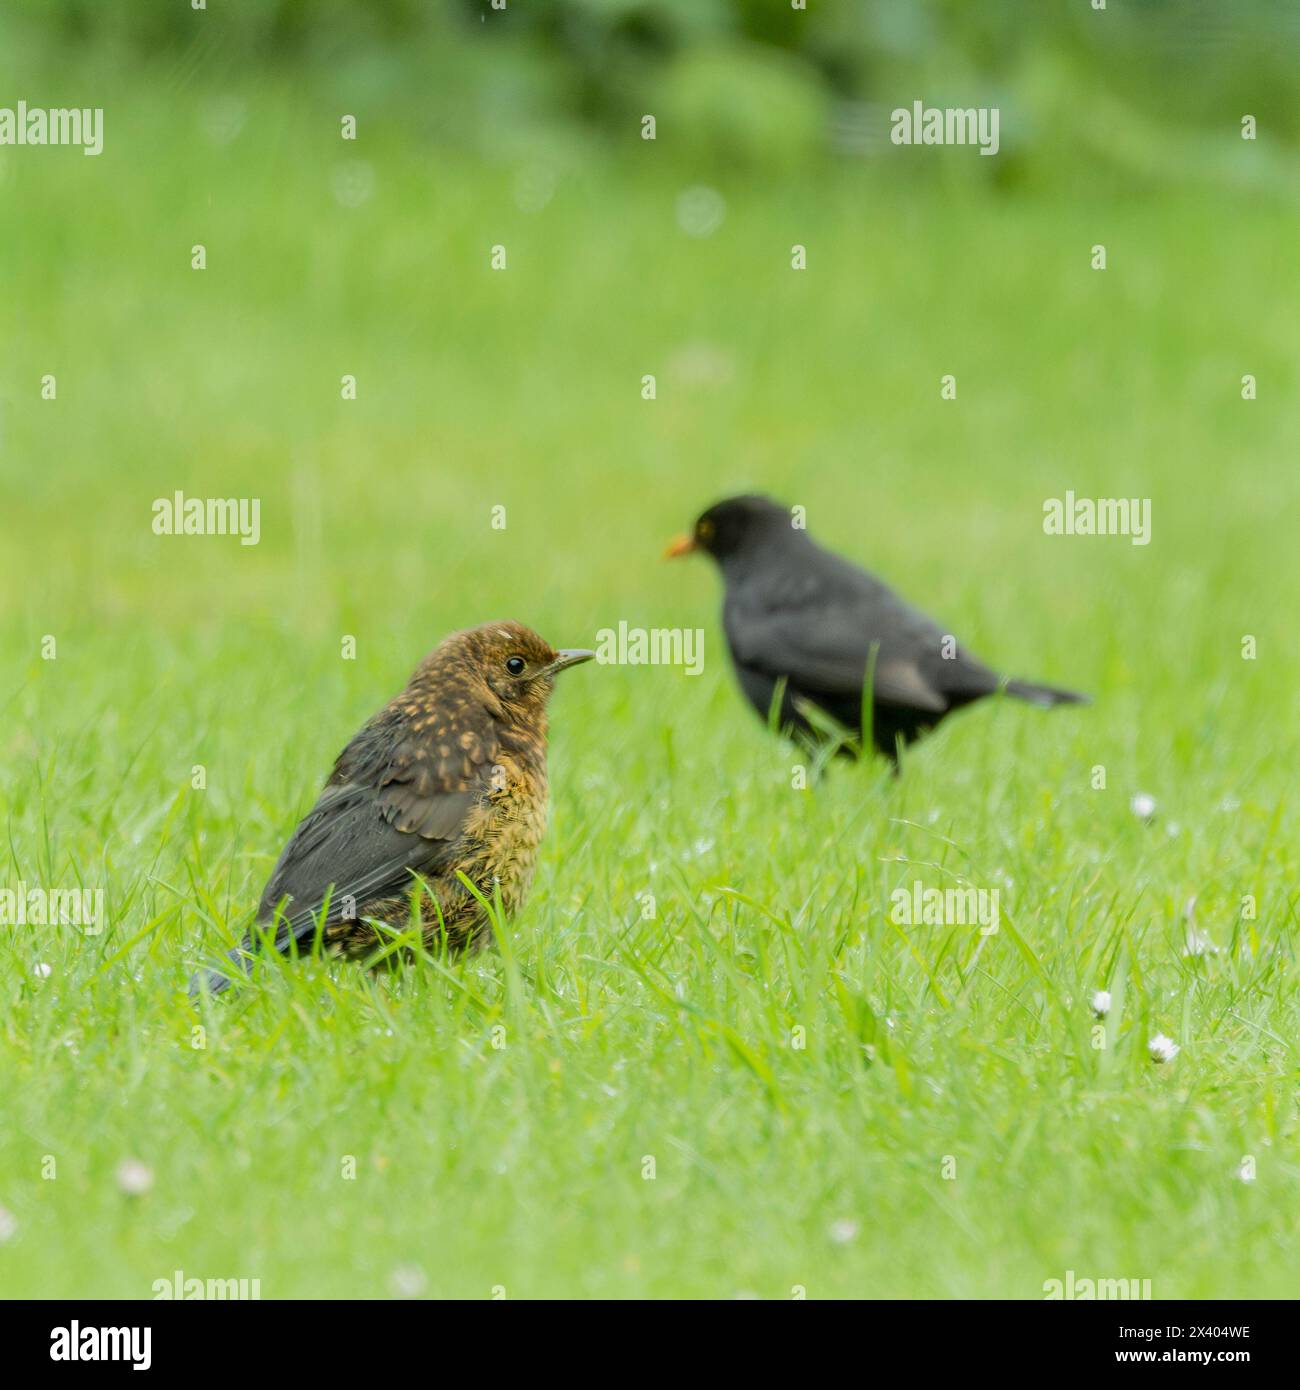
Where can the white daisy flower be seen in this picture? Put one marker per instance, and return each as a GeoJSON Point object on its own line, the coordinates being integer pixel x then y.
{"type": "Point", "coordinates": [133, 1177]}
{"type": "Point", "coordinates": [1163, 1049]}
{"type": "Point", "coordinates": [1101, 1003]}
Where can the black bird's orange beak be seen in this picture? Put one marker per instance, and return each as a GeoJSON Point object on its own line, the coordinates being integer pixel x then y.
{"type": "Point", "coordinates": [680, 545]}
{"type": "Point", "coordinates": [572, 656]}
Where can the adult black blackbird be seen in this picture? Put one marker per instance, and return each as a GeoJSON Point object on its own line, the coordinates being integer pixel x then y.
{"type": "Point", "coordinates": [799, 615]}
{"type": "Point", "coordinates": [449, 777]}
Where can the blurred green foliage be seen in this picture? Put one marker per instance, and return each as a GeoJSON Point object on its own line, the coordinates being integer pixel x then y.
{"type": "Point", "coordinates": [1152, 88]}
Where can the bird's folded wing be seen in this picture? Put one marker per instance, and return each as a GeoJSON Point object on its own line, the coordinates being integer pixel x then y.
{"type": "Point", "coordinates": [899, 682]}
{"type": "Point", "coordinates": [359, 860]}
{"type": "Point", "coordinates": [394, 806]}
{"type": "Point", "coordinates": [821, 651]}
{"type": "Point", "coordinates": [396, 803]}
{"type": "Point", "coordinates": [341, 857]}
{"type": "Point", "coordinates": [346, 852]}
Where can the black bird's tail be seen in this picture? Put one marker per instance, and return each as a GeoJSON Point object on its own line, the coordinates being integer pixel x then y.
{"type": "Point", "coordinates": [1044, 696]}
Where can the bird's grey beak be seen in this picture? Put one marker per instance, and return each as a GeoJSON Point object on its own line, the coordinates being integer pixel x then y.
{"type": "Point", "coordinates": [572, 656]}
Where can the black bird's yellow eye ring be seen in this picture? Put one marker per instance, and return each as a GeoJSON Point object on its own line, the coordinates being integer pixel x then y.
{"type": "Point", "coordinates": [704, 530]}
{"type": "Point", "coordinates": [515, 665]}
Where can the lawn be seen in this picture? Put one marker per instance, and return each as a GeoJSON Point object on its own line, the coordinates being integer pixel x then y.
{"type": "Point", "coordinates": [704, 1062]}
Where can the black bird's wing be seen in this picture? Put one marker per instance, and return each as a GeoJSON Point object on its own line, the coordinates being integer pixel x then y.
{"type": "Point", "coordinates": [821, 631]}
{"type": "Point", "coordinates": [396, 802]}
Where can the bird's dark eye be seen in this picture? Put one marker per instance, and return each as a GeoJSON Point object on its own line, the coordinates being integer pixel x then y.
{"type": "Point", "coordinates": [515, 665]}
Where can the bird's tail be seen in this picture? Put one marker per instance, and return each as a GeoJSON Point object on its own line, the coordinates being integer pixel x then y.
{"type": "Point", "coordinates": [1044, 696]}
{"type": "Point", "coordinates": [213, 980]}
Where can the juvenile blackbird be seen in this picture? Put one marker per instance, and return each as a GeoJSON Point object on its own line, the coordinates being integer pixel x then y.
{"type": "Point", "coordinates": [797, 614]}
{"type": "Point", "coordinates": [450, 775]}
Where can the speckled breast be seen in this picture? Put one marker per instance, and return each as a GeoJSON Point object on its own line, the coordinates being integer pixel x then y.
{"type": "Point", "coordinates": [506, 830]}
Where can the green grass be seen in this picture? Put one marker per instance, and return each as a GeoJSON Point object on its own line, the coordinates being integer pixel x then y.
{"type": "Point", "coordinates": [625, 1036]}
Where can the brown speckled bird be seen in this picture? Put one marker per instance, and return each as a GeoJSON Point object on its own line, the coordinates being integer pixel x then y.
{"type": "Point", "coordinates": [448, 778]}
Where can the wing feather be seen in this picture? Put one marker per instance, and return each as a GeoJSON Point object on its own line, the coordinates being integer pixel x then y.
{"type": "Point", "coordinates": [395, 805]}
